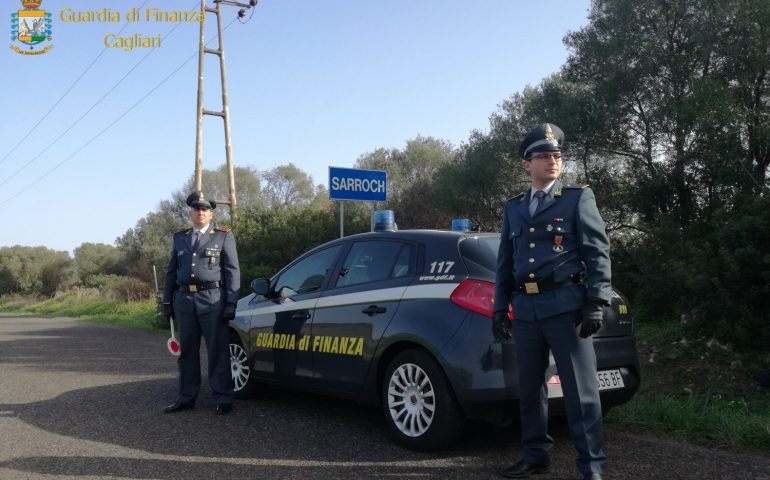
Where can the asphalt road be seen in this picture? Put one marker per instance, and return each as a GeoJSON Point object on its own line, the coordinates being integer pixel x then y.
{"type": "Point", "coordinates": [84, 401]}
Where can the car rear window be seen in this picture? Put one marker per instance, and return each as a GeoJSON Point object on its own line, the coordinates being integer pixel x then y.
{"type": "Point", "coordinates": [480, 253]}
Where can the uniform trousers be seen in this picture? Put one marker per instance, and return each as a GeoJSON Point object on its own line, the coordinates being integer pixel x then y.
{"type": "Point", "coordinates": [576, 364]}
{"type": "Point", "coordinates": [215, 331]}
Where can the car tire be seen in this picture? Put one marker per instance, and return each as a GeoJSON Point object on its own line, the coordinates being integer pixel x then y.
{"type": "Point", "coordinates": [243, 378]}
{"type": "Point", "coordinates": [419, 404]}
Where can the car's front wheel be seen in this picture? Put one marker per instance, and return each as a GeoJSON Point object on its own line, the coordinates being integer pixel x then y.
{"type": "Point", "coordinates": [419, 405]}
{"type": "Point", "coordinates": [245, 385]}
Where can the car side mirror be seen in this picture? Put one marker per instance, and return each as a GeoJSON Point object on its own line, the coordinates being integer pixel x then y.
{"type": "Point", "coordinates": [260, 286]}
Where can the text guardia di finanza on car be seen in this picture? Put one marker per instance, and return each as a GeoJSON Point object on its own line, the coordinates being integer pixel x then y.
{"type": "Point", "coordinates": [133, 15]}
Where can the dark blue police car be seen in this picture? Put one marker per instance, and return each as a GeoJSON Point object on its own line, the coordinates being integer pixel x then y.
{"type": "Point", "coordinates": [402, 319]}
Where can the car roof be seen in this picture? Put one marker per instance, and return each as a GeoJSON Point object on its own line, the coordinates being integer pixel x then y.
{"type": "Point", "coordinates": [437, 238]}
{"type": "Point", "coordinates": [417, 235]}
{"type": "Point", "coordinates": [420, 234]}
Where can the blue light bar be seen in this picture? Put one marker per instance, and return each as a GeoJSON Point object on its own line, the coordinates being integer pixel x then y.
{"type": "Point", "coordinates": [461, 225]}
{"type": "Point", "coordinates": [384, 221]}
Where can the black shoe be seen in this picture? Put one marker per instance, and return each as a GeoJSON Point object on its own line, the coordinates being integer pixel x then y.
{"type": "Point", "coordinates": [223, 408]}
{"type": "Point", "coordinates": [178, 406]}
{"type": "Point", "coordinates": [592, 476]}
{"type": "Point", "coordinates": [522, 469]}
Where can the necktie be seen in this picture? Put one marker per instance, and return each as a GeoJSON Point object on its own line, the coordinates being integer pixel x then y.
{"type": "Point", "coordinates": [533, 206]}
{"type": "Point", "coordinates": [197, 238]}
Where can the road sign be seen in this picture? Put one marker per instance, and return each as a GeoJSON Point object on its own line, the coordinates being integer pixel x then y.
{"type": "Point", "coordinates": [356, 184]}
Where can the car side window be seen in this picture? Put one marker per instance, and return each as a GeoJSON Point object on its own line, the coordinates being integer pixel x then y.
{"type": "Point", "coordinates": [308, 274]}
{"type": "Point", "coordinates": [375, 261]}
{"type": "Point", "coordinates": [403, 266]}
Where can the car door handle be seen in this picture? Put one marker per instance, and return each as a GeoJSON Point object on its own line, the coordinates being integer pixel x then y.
{"type": "Point", "coordinates": [301, 315]}
{"type": "Point", "coordinates": [373, 310]}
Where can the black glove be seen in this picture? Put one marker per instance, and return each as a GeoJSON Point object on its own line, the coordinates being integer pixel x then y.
{"type": "Point", "coordinates": [591, 317]}
{"type": "Point", "coordinates": [501, 325]}
{"type": "Point", "coordinates": [229, 312]}
{"type": "Point", "coordinates": [168, 311]}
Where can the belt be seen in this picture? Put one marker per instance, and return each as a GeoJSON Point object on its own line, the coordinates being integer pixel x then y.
{"type": "Point", "coordinates": [200, 286]}
{"type": "Point", "coordinates": [548, 283]}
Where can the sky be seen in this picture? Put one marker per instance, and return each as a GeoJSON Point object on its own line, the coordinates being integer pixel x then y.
{"type": "Point", "coordinates": [93, 138]}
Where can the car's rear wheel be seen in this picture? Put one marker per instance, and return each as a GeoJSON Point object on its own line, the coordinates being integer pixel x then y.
{"type": "Point", "coordinates": [245, 385]}
{"type": "Point", "coordinates": [419, 405]}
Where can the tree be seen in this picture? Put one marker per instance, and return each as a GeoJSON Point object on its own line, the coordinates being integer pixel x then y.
{"type": "Point", "coordinates": [487, 170]}
{"type": "Point", "coordinates": [97, 259]}
{"type": "Point", "coordinates": [410, 178]}
{"type": "Point", "coordinates": [287, 185]}
{"type": "Point", "coordinates": [149, 243]}
{"type": "Point", "coordinates": [57, 274]}
{"type": "Point", "coordinates": [34, 270]}
{"type": "Point", "coordinates": [216, 185]}
{"type": "Point", "coordinates": [268, 239]}
{"type": "Point", "coordinates": [684, 104]}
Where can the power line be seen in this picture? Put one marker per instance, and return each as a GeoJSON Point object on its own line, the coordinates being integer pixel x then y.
{"type": "Point", "coordinates": [136, 65]}
{"type": "Point", "coordinates": [66, 92]}
{"type": "Point", "coordinates": [110, 125]}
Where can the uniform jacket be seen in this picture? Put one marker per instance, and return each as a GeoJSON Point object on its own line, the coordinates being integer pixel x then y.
{"type": "Point", "coordinates": [214, 259]}
{"type": "Point", "coordinates": [530, 249]}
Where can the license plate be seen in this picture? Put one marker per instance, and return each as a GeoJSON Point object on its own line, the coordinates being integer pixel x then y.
{"type": "Point", "coordinates": [609, 379]}
{"type": "Point", "coordinates": [605, 379]}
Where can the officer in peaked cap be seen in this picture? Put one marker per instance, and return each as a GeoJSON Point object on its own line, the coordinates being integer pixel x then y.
{"type": "Point", "coordinates": [545, 137]}
{"type": "Point", "coordinates": [553, 268]}
{"type": "Point", "coordinates": [200, 291]}
{"type": "Point", "coordinates": [196, 199]}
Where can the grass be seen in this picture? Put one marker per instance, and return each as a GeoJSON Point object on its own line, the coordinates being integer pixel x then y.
{"type": "Point", "coordinates": [137, 315]}
{"type": "Point", "coordinates": [697, 390]}
{"type": "Point", "coordinates": [691, 390]}
{"type": "Point", "coordinates": [705, 419]}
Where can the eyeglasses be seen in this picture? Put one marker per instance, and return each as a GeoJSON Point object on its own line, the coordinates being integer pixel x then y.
{"type": "Point", "coordinates": [546, 156]}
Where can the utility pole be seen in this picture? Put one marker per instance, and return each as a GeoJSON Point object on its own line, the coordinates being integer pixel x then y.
{"type": "Point", "coordinates": [225, 112]}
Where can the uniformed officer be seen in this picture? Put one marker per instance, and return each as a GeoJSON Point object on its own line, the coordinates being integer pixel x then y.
{"type": "Point", "coordinates": [200, 291]}
{"type": "Point", "coordinates": [553, 265]}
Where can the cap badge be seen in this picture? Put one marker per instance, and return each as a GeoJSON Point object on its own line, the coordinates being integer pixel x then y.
{"type": "Point", "coordinates": [549, 133]}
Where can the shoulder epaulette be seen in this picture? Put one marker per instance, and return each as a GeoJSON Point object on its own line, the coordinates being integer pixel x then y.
{"type": "Point", "coordinates": [517, 197]}
{"type": "Point", "coordinates": [184, 230]}
{"type": "Point", "coordinates": [222, 229]}
{"type": "Point", "coordinates": [577, 186]}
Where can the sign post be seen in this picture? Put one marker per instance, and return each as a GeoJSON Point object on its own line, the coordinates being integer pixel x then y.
{"type": "Point", "coordinates": [357, 185]}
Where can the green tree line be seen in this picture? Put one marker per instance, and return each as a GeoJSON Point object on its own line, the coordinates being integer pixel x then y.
{"type": "Point", "coordinates": [666, 108]}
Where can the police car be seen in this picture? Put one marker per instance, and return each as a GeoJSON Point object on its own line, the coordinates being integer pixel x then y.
{"type": "Point", "coordinates": [402, 319]}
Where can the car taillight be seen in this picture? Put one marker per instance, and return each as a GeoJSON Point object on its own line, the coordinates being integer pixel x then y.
{"type": "Point", "coordinates": [475, 295]}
